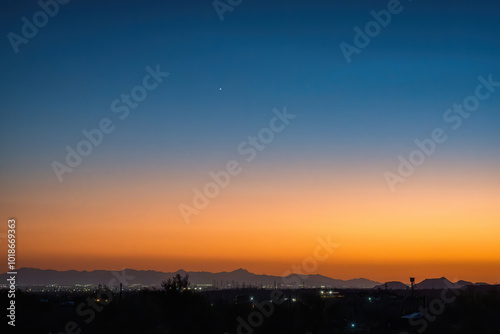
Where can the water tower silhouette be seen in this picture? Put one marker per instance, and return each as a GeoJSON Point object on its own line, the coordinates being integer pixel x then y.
{"type": "Point", "coordinates": [412, 282]}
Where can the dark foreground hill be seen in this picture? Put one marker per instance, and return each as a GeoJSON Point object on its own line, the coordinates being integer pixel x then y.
{"type": "Point", "coordinates": [473, 309]}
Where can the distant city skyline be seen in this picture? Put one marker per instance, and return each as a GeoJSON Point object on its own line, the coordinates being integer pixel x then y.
{"type": "Point", "coordinates": [234, 279]}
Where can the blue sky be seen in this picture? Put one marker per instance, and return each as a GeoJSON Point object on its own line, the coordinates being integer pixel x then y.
{"type": "Point", "coordinates": [263, 55]}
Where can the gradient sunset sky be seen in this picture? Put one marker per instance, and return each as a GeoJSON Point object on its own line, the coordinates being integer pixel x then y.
{"type": "Point", "coordinates": [323, 175]}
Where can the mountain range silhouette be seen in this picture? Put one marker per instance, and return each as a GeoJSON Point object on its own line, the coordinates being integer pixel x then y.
{"type": "Point", "coordinates": [239, 277]}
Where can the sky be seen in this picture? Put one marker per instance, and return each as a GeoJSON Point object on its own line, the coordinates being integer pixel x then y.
{"type": "Point", "coordinates": [330, 168]}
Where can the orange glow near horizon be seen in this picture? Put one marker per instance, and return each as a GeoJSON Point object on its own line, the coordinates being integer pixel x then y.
{"type": "Point", "coordinates": [266, 222]}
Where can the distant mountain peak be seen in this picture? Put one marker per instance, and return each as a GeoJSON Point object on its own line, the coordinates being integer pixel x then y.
{"type": "Point", "coordinates": [435, 283]}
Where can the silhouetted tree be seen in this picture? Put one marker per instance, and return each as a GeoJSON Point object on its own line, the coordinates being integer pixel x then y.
{"type": "Point", "coordinates": [176, 283]}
